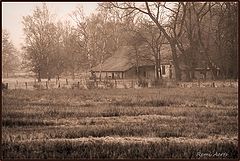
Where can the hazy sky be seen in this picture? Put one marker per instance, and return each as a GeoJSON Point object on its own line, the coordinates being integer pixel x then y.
{"type": "Point", "coordinates": [12, 13]}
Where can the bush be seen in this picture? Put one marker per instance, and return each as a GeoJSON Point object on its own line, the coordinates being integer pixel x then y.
{"type": "Point", "coordinates": [4, 86]}
{"type": "Point", "coordinates": [142, 83]}
{"type": "Point", "coordinates": [158, 83]}
{"type": "Point", "coordinates": [90, 84]}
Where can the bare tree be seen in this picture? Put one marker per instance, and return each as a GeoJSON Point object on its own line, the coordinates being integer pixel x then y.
{"type": "Point", "coordinates": [136, 41]}
{"type": "Point", "coordinates": [146, 36]}
{"type": "Point", "coordinates": [40, 32]}
{"type": "Point", "coordinates": [226, 38]}
{"type": "Point", "coordinates": [201, 10]}
{"type": "Point", "coordinates": [153, 10]}
{"type": "Point", "coordinates": [99, 34]}
{"type": "Point", "coordinates": [154, 40]}
{"type": "Point", "coordinates": [10, 61]}
{"type": "Point", "coordinates": [83, 35]}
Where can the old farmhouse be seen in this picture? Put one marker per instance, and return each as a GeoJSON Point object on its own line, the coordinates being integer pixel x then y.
{"type": "Point", "coordinates": [120, 66]}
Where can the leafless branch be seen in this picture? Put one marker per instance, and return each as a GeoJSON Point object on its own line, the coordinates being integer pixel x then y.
{"type": "Point", "coordinates": [164, 5]}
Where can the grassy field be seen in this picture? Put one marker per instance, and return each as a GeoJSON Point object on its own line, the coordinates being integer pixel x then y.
{"type": "Point", "coordinates": [120, 123]}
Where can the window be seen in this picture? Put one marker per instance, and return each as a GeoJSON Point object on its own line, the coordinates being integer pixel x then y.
{"type": "Point", "coordinates": [163, 70]}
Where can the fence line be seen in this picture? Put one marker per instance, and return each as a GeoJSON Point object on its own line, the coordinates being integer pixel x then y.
{"type": "Point", "coordinates": [114, 83]}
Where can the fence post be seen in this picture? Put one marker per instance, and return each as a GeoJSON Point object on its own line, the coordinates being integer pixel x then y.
{"type": "Point", "coordinates": [67, 81]}
{"type": "Point", "coordinates": [59, 85]}
{"type": "Point", "coordinates": [78, 84]}
{"type": "Point", "coordinates": [26, 84]}
{"type": "Point", "coordinates": [6, 85]}
{"type": "Point", "coordinates": [213, 84]}
{"type": "Point", "coordinates": [47, 84]}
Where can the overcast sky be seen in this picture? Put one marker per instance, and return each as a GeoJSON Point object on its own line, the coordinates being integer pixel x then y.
{"type": "Point", "coordinates": [12, 13]}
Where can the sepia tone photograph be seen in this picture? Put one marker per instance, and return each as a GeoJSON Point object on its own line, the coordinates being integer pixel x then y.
{"type": "Point", "coordinates": [120, 80]}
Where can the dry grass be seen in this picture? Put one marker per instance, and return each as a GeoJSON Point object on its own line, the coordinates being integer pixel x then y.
{"type": "Point", "coordinates": [89, 123]}
{"type": "Point", "coordinates": [119, 147]}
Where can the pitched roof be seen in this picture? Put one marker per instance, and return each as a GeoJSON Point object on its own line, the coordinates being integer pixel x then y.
{"type": "Point", "coordinates": [118, 62]}
{"type": "Point", "coordinates": [121, 60]}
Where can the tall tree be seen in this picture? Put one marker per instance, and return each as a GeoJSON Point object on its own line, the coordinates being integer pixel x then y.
{"type": "Point", "coordinates": [153, 40]}
{"type": "Point", "coordinates": [40, 35]}
{"type": "Point", "coordinates": [99, 34]}
{"type": "Point", "coordinates": [201, 11]}
{"type": "Point", "coordinates": [10, 61]}
{"type": "Point", "coordinates": [152, 11]}
{"type": "Point", "coordinates": [144, 36]}
{"type": "Point", "coordinates": [226, 38]}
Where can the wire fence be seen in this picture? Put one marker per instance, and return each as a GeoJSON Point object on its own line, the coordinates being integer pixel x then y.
{"type": "Point", "coordinates": [32, 84]}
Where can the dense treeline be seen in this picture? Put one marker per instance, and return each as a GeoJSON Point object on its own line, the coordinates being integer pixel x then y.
{"type": "Point", "coordinates": [202, 33]}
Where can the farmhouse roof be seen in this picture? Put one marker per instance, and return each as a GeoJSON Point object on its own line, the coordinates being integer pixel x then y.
{"type": "Point", "coordinates": [118, 62]}
{"type": "Point", "coordinates": [121, 60]}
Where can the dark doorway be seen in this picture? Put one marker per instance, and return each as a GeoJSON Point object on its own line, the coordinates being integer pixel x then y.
{"type": "Point", "coordinates": [163, 70]}
{"type": "Point", "coordinates": [112, 75]}
{"type": "Point", "coordinates": [144, 74]}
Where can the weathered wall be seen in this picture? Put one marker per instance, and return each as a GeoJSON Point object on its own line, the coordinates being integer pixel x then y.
{"type": "Point", "coordinates": [145, 72]}
{"type": "Point", "coordinates": [148, 72]}
{"type": "Point", "coordinates": [198, 75]}
{"type": "Point", "coordinates": [130, 74]}
{"type": "Point", "coordinates": [109, 75]}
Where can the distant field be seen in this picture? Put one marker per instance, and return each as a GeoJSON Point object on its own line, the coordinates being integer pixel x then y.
{"type": "Point", "coordinates": [120, 123]}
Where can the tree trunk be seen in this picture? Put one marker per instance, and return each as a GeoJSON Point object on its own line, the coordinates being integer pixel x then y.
{"type": "Point", "coordinates": [137, 61]}
{"type": "Point", "coordinates": [101, 64]}
{"type": "Point", "coordinates": [158, 67]}
{"type": "Point", "coordinates": [172, 44]}
{"type": "Point", "coordinates": [192, 73]}
{"type": "Point", "coordinates": [178, 73]}
{"type": "Point", "coordinates": [160, 72]}
{"type": "Point", "coordinates": [73, 73]}
{"type": "Point", "coordinates": [188, 77]}
{"type": "Point", "coordinates": [157, 70]}
{"type": "Point", "coordinates": [48, 75]}
{"type": "Point", "coordinates": [39, 76]}
{"type": "Point", "coordinates": [73, 66]}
